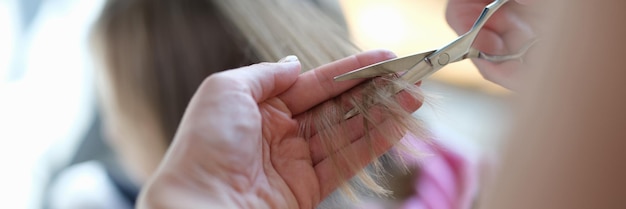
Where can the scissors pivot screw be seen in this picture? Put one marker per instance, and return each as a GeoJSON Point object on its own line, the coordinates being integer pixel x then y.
{"type": "Point", "coordinates": [444, 59]}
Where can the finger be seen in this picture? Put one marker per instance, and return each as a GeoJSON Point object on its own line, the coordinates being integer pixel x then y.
{"type": "Point", "coordinates": [316, 86]}
{"type": "Point", "coordinates": [461, 16]}
{"type": "Point", "coordinates": [354, 158]}
{"type": "Point", "coordinates": [354, 128]}
{"type": "Point", "coordinates": [260, 81]}
{"type": "Point", "coordinates": [504, 32]}
{"type": "Point", "coordinates": [503, 74]}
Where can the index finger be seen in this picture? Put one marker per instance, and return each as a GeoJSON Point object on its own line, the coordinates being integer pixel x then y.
{"type": "Point", "coordinates": [318, 85]}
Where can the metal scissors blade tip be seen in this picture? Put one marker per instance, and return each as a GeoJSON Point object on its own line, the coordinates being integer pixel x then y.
{"type": "Point", "coordinates": [385, 67]}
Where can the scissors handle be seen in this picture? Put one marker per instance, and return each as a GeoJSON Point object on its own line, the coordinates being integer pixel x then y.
{"type": "Point", "coordinates": [461, 46]}
{"type": "Point", "coordinates": [455, 51]}
{"type": "Point", "coordinates": [484, 16]}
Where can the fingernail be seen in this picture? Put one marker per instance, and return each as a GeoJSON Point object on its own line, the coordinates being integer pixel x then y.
{"type": "Point", "coordinates": [290, 58]}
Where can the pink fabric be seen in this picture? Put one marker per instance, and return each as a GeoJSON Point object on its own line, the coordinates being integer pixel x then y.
{"type": "Point", "coordinates": [448, 179]}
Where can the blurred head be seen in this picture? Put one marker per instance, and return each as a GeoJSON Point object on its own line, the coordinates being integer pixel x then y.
{"type": "Point", "coordinates": [154, 54]}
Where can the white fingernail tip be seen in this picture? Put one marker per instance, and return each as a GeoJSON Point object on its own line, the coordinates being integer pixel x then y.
{"type": "Point", "coordinates": [290, 58]}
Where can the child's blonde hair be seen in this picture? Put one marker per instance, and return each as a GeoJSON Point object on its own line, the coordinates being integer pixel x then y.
{"type": "Point", "coordinates": [156, 53]}
{"type": "Point", "coordinates": [275, 28]}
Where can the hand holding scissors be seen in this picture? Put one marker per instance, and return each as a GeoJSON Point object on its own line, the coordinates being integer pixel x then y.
{"type": "Point", "coordinates": [506, 32]}
{"type": "Point", "coordinates": [416, 67]}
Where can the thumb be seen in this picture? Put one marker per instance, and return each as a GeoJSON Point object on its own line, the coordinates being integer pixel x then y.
{"type": "Point", "coordinates": [266, 80]}
{"type": "Point", "coordinates": [261, 81]}
{"type": "Point", "coordinates": [235, 94]}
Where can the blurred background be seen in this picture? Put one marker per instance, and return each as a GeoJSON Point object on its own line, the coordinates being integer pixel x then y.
{"type": "Point", "coordinates": [47, 96]}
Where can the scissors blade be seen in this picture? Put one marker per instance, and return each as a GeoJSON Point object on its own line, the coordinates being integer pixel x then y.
{"type": "Point", "coordinates": [386, 67]}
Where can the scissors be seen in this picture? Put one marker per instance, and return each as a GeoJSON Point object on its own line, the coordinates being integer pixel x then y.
{"type": "Point", "coordinates": [419, 66]}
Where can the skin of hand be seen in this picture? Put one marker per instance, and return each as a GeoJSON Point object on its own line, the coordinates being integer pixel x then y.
{"type": "Point", "coordinates": [505, 33]}
{"type": "Point", "coordinates": [237, 145]}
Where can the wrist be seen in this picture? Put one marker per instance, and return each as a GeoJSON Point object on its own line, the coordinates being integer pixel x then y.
{"type": "Point", "coordinates": [164, 192]}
